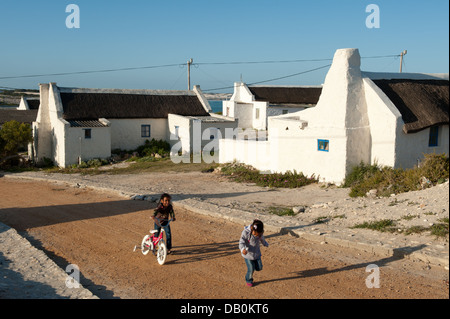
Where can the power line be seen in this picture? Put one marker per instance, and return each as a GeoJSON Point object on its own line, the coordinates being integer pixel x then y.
{"type": "Point", "coordinates": [180, 64]}
{"type": "Point", "coordinates": [274, 79]}
{"type": "Point", "coordinates": [261, 62]}
{"type": "Point", "coordinates": [88, 72]}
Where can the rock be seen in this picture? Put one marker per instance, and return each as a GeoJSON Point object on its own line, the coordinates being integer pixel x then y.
{"type": "Point", "coordinates": [424, 182]}
{"type": "Point", "coordinates": [298, 209]}
{"type": "Point", "coordinates": [372, 193]}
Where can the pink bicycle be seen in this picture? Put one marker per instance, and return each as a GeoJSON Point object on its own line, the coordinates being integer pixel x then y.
{"type": "Point", "coordinates": [155, 244]}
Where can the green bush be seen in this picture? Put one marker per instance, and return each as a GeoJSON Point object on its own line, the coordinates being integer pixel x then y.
{"type": "Point", "coordinates": [385, 225]}
{"type": "Point", "coordinates": [248, 174]}
{"type": "Point", "coordinates": [154, 147]}
{"type": "Point", "coordinates": [14, 135]}
{"type": "Point", "coordinates": [434, 169]}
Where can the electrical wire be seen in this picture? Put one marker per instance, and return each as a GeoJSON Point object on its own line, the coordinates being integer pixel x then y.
{"type": "Point", "coordinates": [88, 72]}
{"type": "Point", "coordinates": [178, 64]}
{"type": "Point", "coordinates": [274, 79]}
{"type": "Point", "coordinates": [260, 62]}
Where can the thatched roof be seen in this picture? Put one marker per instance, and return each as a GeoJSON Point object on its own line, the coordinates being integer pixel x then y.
{"type": "Point", "coordinates": [21, 116]}
{"type": "Point", "coordinates": [90, 106]}
{"type": "Point", "coordinates": [286, 94]}
{"type": "Point", "coordinates": [33, 104]}
{"type": "Point", "coordinates": [422, 103]}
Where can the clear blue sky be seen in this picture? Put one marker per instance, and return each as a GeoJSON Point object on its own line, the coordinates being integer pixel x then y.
{"type": "Point", "coordinates": [121, 34]}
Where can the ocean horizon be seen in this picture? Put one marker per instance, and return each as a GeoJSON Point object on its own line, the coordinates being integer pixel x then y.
{"type": "Point", "coordinates": [216, 106]}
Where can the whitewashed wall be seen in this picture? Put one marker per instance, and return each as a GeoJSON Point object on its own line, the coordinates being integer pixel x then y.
{"type": "Point", "coordinates": [412, 147]}
{"type": "Point", "coordinates": [296, 149]}
{"type": "Point", "coordinates": [42, 126]}
{"type": "Point", "coordinates": [385, 125]}
{"type": "Point", "coordinates": [126, 133]}
{"type": "Point", "coordinates": [98, 146]}
{"type": "Point", "coordinates": [261, 122]}
{"type": "Point", "coordinates": [255, 153]}
{"type": "Point", "coordinates": [183, 143]}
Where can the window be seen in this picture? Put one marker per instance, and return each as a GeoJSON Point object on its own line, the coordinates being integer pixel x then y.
{"type": "Point", "coordinates": [323, 145]}
{"type": "Point", "coordinates": [285, 112]}
{"type": "Point", "coordinates": [145, 130]}
{"type": "Point", "coordinates": [433, 138]}
{"type": "Point", "coordinates": [177, 132]}
{"type": "Point", "coordinates": [257, 114]}
{"type": "Point", "coordinates": [87, 133]}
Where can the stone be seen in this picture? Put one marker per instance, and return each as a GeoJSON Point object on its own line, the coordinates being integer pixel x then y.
{"type": "Point", "coordinates": [298, 209]}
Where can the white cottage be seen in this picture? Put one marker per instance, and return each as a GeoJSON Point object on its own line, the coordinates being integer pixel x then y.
{"type": "Point", "coordinates": [252, 105]}
{"type": "Point", "coordinates": [80, 124]}
{"type": "Point", "coordinates": [388, 119]}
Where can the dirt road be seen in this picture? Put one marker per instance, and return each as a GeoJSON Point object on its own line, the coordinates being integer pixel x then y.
{"type": "Point", "coordinates": [97, 232]}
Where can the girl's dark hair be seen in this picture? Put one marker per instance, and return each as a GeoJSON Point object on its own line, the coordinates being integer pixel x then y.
{"type": "Point", "coordinates": [164, 196]}
{"type": "Point", "coordinates": [258, 226]}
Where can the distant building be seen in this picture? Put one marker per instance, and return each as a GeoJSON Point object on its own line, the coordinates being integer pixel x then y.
{"type": "Point", "coordinates": [25, 113]}
{"type": "Point", "coordinates": [252, 105]}
{"type": "Point", "coordinates": [388, 119]}
{"type": "Point", "coordinates": [76, 125]}
{"type": "Point", "coordinates": [29, 103]}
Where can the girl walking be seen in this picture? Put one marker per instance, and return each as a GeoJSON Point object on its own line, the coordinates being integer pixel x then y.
{"type": "Point", "coordinates": [249, 244]}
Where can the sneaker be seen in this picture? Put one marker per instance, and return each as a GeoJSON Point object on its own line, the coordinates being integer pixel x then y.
{"type": "Point", "coordinates": [249, 284]}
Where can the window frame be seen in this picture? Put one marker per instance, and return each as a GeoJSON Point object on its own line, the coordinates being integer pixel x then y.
{"type": "Point", "coordinates": [325, 143]}
{"type": "Point", "coordinates": [433, 137]}
{"type": "Point", "coordinates": [146, 130]}
{"type": "Point", "coordinates": [87, 133]}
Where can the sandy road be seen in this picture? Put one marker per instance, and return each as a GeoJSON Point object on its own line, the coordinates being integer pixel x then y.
{"type": "Point", "coordinates": [97, 231]}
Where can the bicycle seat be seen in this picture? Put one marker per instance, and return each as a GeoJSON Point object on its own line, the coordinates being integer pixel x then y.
{"type": "Point", "coordinates": [153, 231]}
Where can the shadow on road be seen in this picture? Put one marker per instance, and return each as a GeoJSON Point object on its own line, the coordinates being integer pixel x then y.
{"type": "Point", "coordinates": [399, 253]}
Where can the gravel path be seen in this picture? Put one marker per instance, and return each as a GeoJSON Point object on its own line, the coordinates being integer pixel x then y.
{"type": "Point", "coordinates": [213, 194]}
{"type": "Point", "coordinates": [27, 273]}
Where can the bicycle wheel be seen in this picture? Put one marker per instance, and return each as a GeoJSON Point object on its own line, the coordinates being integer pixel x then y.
{"type": "Point", "coordinates": [146, 244]}
{"type": "Point", "coordinates": [162, 253]}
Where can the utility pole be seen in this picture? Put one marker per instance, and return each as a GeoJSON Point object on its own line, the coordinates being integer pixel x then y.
{"type": "Point", "coordinates": [401, 59]}
{"type": "Point", "coordinates": [189, 73]}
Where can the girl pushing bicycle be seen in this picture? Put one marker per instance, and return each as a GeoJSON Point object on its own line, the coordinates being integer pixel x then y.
{"type": "Point", "coordinates": [164, 211]}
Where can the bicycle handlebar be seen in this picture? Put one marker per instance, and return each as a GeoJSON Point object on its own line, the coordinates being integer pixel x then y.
{"type": "Point", "coordinates": [159, 220]}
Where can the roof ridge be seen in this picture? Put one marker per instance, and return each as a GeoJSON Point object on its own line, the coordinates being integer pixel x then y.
{"type": "Point", "coordinates": [126, 91]}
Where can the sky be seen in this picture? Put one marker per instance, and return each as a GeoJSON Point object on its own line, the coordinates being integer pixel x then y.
{"type": "Point", "coordinates": [163, 35]}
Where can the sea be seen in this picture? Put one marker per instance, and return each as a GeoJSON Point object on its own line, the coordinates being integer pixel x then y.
{"type": "Point", "coordinates": [216, 106]}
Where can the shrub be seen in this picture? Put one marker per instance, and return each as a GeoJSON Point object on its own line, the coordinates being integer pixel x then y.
{"type": "Point", "coordinates": [242, 173]}
{"type": "Point", "coordinates": [434, 169]}
{"type": "Point", "coordinates": [281, 211]}
{"type": "Point", "coordinates": [381, 225]}
{"type": "Point", "coordinates": [14, 135]}
{"type": "Point", "coordinates": [154, 147]}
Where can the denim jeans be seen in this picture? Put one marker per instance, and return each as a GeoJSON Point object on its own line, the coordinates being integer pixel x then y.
{"type": "Point", "coordinates": [252, 266]}
{"type": "Point", "coordinates": [168, 235]}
